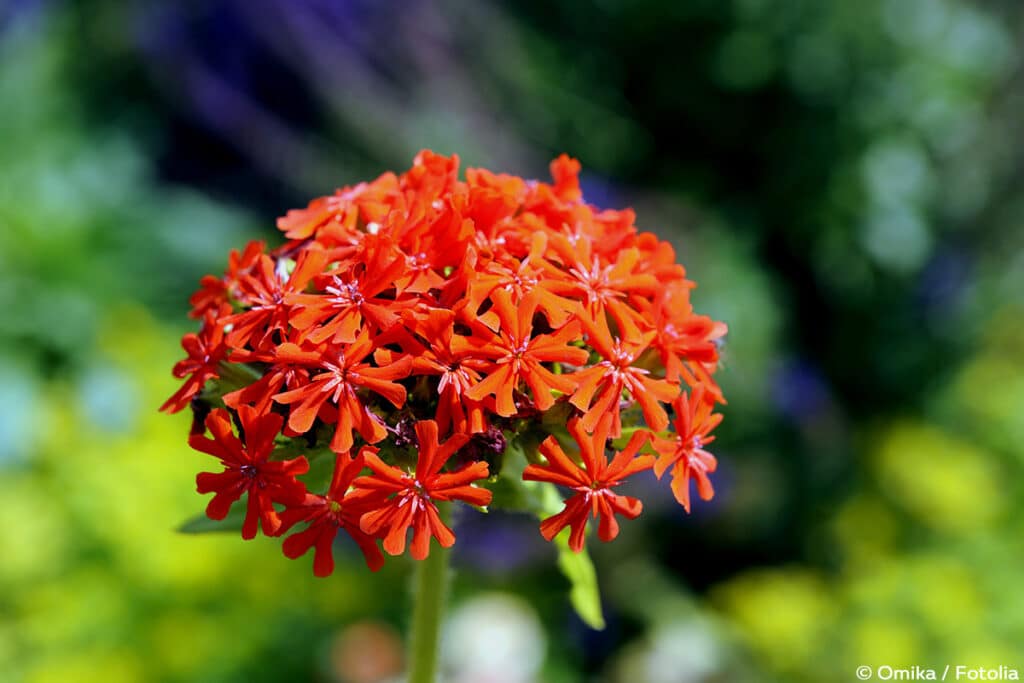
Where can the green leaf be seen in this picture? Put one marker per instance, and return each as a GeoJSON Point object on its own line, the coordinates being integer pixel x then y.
{"type": "Point", "coordinates": [505, 485]}
{"type": "Point", "coordinates": [509, 489]}
{"type": "Point", "coordinates": [321, 469]}
{"type": "Point", "coordinates": [201, 524]}
{"type": "Point", "coordinates": [507, 494]}
{"type": "Point", "coordinates": [543, 500]}
{"type": "Point", "coordinates": [583, 592]}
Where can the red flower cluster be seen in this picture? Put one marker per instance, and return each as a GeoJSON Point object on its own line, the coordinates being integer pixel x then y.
{"type": "Point", "coordinates": [421, 306]}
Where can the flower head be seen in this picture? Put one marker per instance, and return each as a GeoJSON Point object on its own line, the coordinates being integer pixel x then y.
{"type": "Point", "coordinates": [422, 316]}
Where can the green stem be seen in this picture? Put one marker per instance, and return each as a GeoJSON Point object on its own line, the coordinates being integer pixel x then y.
{"type": "Point", "coordinates": [430, 592]}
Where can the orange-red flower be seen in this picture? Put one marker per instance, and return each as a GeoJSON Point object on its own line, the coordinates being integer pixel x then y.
{"type": "Point", "coordinates": [458, 373]}
{"type": "Point", "coordinates": [348, 297]}
{"type": "Point", "coordinates": [603, 286]}
{"type": "Point", "coordinates": [264, 291]}
{"type": "Point", "coordinates": [407, 500]}
{"type": "Point", "coordinates": [495, 306]}
{"type": "Point", "coordinates": [519, 354]}
{"type": "Point", "coordinates": [686, 343]}
{"type": "Point", "coordinates": [531, 275]}
{"type": "Point", "coordinates": [600, 387]}
{"type": "Point", "coordinates": [344, 370]}
{"type": "Point", "coordinates": [592, 483]}
{"type": "Point", "coordinates": [328, 514]}
{"type": "Point", "coordinates": [285, 369]}
{"type": "Point", "coordinates": [214, 292]}
{"type": "Point", "coordinates": [367, 202]}
{"type": "Point", "coordinates": [248, 470]}
{"type": "Point", "coordinates": [685, 453]}
{"type": "Point", "coordinates": [205, 352]}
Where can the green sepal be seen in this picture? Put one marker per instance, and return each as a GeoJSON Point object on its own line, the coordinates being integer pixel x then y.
{"type": "Point", "coordinates": [235, 376]}
{"type": "Point", "coordinates": [621, 442]}
{"type": "Point", "coordinates": [557, 417]}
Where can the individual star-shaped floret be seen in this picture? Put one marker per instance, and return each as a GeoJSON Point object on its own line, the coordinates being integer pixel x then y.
{"type": "Point", "coordinates": [327, 515]}
{"type": "Point", "coordinates": [248, 469]}
{"type": "Point", "coordinates": [685, 453]}
{"type": "Point", "coordinates": [399, 500]}
{"type": "Point", "coordinates": [592, 482]}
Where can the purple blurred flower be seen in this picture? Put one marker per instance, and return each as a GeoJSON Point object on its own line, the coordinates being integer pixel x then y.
{"type": "Point", "coordinates": [800, 391]}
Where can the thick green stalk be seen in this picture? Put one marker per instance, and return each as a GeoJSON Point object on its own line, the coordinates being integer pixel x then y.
{"type": "Point", "coordinates": [429, 596]}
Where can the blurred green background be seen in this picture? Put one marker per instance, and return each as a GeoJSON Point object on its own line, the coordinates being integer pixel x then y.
{"type": "Point", "coordinates": [843, 180]}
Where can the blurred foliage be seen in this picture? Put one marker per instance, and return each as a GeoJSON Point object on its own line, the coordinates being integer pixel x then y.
{"type": "Point", "coordinates": [840, 178]}
{"type": "Point", "coordinates": [926, 553]}
{"type": "Point", "coordinates": [81, 206]}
